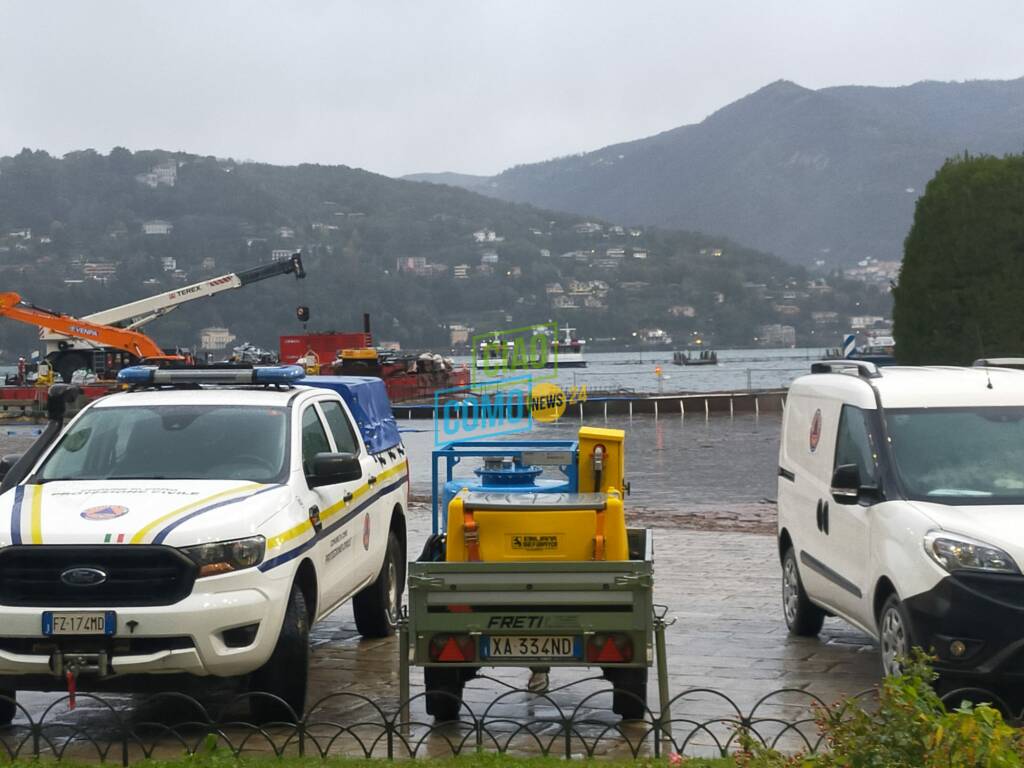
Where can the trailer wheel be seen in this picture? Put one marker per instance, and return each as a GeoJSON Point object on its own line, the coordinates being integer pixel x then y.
{"type": "Point", "coordinates": [378, 606]}
{"type": "Point", "coordinates": [8, 709]}
{"type": "Point", "coordinates": [629, 694]}
{"type": "Point", "coordinates": [444, 692]}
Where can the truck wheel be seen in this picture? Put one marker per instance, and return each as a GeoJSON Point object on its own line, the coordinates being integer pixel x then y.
{"type": "Point", "coordinates": [8, 709]}
{"type": "Point", "coordinates": [803, 617]}
{"type": "Point", "coordinates": [444, 692]}
{"type": "Point", "coordinates": [286, 672]}
{"type": "Point", "coordinates": [629, 694]}
{"type": "Point", "coordinates": [377, 607]}
{"type": "Point", "coordinates": [894, 636]}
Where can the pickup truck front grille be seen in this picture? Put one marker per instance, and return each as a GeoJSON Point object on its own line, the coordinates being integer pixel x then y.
{"type": "Point", "coordinates": [49, 576]}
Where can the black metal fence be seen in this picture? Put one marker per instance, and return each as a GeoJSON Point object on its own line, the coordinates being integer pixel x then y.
{"type": "Point", "coordinates": [697, 722]}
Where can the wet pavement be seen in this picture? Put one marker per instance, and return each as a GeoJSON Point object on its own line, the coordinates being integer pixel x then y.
{"type": "Point", "coordinates": [722, 590]}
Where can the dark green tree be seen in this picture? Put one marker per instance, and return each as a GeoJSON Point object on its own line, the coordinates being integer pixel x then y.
{"type": "Point", "coordinates": [961, 287]}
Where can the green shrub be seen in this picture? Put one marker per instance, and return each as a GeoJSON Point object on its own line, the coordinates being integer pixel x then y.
{"type": "Point", "coordinates": [910, 728]}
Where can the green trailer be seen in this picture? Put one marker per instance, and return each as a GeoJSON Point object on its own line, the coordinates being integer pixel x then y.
{"type": "Point", "coordinates": [465, 616]}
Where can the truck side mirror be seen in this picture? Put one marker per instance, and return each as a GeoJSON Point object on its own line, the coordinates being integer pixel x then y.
{"type": "Point", "coordinates": [7, 462]}
{"type": "Point", "coordinates": [845, 487]}
{"type": "Point", "coordinates": [58, 398]}
{"type": "Point", "coordinates": [332, 468]}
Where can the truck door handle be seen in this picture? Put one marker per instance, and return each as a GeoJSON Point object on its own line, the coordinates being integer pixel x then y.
{"type": "Point", "coordinates": [818, 516]}
{"type": "Point", "coordinates": [371, 480]}
{"type": "Point", "coordinates": [347, 497]}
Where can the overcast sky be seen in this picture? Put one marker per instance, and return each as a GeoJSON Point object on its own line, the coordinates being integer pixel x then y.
{"type": "Point", "coordinates": [471, 86]}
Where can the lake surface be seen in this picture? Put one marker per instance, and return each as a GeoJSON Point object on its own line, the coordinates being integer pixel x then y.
{"type": "Point", "coordinates": [737, 369]}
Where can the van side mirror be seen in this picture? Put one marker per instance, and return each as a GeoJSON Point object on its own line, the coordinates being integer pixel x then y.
{"type": "Point", "coordinates": [847, 487]}
{"type": "Point", "coordinates": [332, 468]}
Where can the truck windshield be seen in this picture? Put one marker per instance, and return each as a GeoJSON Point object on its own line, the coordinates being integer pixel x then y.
{"type": "Point", "coordinates": [173, 442]}
{"type": "Point", "coordinates": [960, 455]}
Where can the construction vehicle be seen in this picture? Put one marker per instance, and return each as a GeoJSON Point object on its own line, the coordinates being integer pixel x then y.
{"type": "Point", "coordinates": [106, 341]}
{"type": "Point", "coordinates": [531, 571]}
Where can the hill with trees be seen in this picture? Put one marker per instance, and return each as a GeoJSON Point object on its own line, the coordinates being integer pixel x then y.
{"type": "Point", "coordinates": [829, 174]}
{"type": "Point", "coordinates": [89, 231]}
{"type": "Point", "coordinates": [959, 296]}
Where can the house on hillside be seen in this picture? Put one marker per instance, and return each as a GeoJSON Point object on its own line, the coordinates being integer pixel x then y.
{"type": "Point", "coordinates": [164, 174]}
{"type": "Point", "coordinates": [461, 271]}
{"type": "Point", "coordinates": [777, 335]}
{"type": "Point", "coordinates": [157, 227]}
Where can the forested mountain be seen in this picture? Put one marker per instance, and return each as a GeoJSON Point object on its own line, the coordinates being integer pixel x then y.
{"type": "Point", "coordinates": [829, 174]}
{"type": "Point", "coordinates": [89, 231]}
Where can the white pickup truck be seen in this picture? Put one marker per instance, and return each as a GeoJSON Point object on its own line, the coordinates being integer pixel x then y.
{"type": "Point", "coordinates": [198, 524]}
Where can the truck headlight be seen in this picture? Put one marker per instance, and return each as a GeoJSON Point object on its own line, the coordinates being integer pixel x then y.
{"type": "Point", "coordinates": [226, 556]}
{"type": "Point", "coordinates": [960, 553]}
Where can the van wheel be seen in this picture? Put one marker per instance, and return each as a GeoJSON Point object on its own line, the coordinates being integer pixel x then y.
{"type": "Point", "coordinates": [378, 606]}
{"type": "Point", "coordinates": [803, 617]}
{"type": "Point", "coordinates": [8, 709]}
{"type": "Point", "coordinates": [629, 691]}
{"type": "Point", "coordinates": [894, 636]}
{"type": "Point", "coordinates": [286, 672]}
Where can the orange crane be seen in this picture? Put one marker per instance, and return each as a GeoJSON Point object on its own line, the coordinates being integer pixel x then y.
{"type": "Point", "coordinates": [108, 340]}
{"type": "Point", "coordinates": [138, 344]}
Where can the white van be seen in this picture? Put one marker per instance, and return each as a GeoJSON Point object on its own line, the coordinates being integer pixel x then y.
{"type": "Point", "coordinates": [901, 510]}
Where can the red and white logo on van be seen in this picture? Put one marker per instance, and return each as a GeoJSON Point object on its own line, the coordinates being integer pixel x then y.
{"type": "Point", "coordinates": [815, 430]}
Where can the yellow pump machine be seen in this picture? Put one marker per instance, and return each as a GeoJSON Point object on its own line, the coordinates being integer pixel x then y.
{"type": "Point", "coordinates": [496, 524]}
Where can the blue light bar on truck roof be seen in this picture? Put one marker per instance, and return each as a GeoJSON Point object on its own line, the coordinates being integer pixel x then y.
{"type": "Point", "coordinates": [277, 374]}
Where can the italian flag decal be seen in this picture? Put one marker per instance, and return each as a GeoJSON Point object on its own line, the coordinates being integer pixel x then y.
{"type": "Point", "coordinates": [110, 538]}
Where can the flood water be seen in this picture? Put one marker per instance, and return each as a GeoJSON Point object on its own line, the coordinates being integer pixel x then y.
{"type": "Point", "coordinates": [677, 467]}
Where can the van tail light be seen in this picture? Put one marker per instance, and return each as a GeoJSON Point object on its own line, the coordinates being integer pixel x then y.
{"type": "Point", "coordinates": [452, 648]}
{"type": "Point", "coordinates": [611, 648]}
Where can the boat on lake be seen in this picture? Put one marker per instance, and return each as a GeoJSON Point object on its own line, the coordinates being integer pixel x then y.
{"type": "Point", "coordinates": [696, 357]}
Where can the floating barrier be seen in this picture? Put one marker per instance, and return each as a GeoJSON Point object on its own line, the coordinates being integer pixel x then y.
{"type": "Point", "coordinates": [713, 403]}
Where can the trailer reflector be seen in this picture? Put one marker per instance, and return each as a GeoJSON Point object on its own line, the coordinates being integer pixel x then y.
{"type": "Point", "coordinates": [614, 648]}
{"type": "Point", "coordinates": [452, 648]}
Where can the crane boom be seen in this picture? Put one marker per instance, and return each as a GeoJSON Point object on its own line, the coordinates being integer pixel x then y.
{"type": "Point", "coordinates": [137, 313]}
{"type": "Point", "coordinates": [138, 344]}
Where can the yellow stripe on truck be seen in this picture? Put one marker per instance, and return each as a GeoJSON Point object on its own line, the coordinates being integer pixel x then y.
{"type": "Point", "coordinates": [37, 514]}
{"type": "Point", "coordinates": [144, 532]}
{"type": "Point", "coordinates": [334, 509]}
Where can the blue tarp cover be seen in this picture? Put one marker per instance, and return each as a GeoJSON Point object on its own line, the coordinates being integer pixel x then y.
{"type": "Point", "coordinates": [367, 398]}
